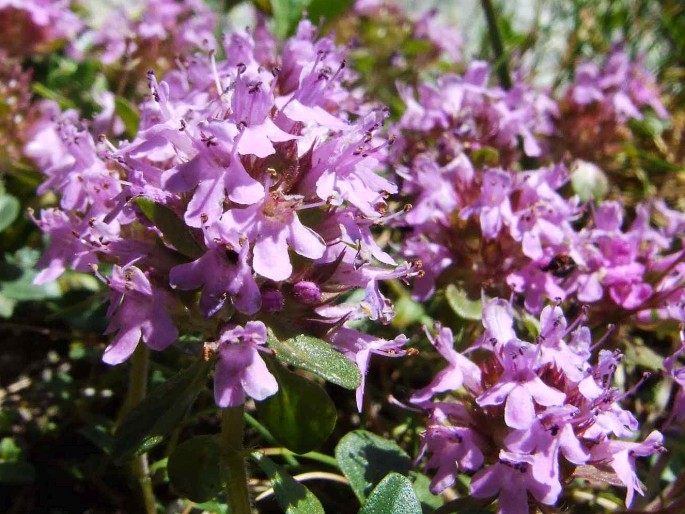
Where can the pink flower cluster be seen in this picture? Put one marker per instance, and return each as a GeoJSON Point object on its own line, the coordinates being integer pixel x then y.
{"type": "Point", "coordinates": [33, 26]}
{"type": "Point", "coordinates": [505, 230]}
{"type": "Point", "coordinates": [527, 416]}
{"type": "Point", "coordinates": [268, 164]}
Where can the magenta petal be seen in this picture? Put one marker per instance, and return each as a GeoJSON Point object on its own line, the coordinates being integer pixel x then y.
{"type": "Point", "coordinates": [270, 253]}
{"type": "Point", "coordinates": [496, 394]}
{"type": "Point", "coordinates": [488, 482]}
{"type": "Point", "coordinates": [519, 411]}
{"type": "Point", "coordinates": [304, 240]}
{"type": "Point", "coordinates": [241, 187]}
{"type": "Point", "coordinates": [513, 499]}
{"type": "Point", "coordinates": [544, 394]}
{"type": "Point", "coordinates": [257, 381]}
{"type": "Point", "coordinates": [498, 319]}
{"type": "Point", "coordinates": [159, 332]}
{"type": "Point", "coordinates": [122, 346]}
{"type": "Point", "coordinates": [253, 141]}
{"type": "Point", "coordinates": [228, 389]}
{"type": "Point", "coordinates": [207, 203]}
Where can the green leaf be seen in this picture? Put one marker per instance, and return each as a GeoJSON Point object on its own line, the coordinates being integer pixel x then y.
{"type": "Point", "coordinates": [327, 9]}
{"type": "Point", "coordinates": [129, 115]}
{"type": "Point", "coordinates": [394, 494]}
{"type": "Point", "coordinates": [429, 501]}
{"type": "Point", "coordinates": [16, 280]}
{"type": "Point", "coordinates": [300, 415]}
{"type": "Point", "coordinates": [462, 305]}
{"type": "Point", "coordinates": [408, 312]}
{"type": "Point", "coordinates": [6, 306]}
{"type": "Point", "coordinates": [286, 15]}
{"type": "Point", "coordinates": [159, 413]}
{"type": "Point", "coordinates": [639, 354]}
{"type": "Point", "coordinates": [50, 94]}
{"type": "Point", "coordinates": [195, 470]}
{"type": "Point", "coordinates": [292, 496]}
{"type": "Point", "coordinates": [9, 210]}
{"type": "Point", "coordinates": [366, 458]}
{"type": "Point", "coordinates": [174, 230]}
{"type": "Point", "coordinates": [317, 356]}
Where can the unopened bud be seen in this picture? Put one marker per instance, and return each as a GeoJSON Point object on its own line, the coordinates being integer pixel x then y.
{"type": "Point", "coordinates": [307, 292]}
{"type": "Point", "coordinates": [272, 300]}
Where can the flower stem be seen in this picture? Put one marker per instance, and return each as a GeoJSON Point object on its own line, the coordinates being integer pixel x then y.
{"type": "Point", "coordinates": [136, 393]}
{"type": "Point", "coordinates": [501, 60]}
{"type": "Point", "coordinates": [233, 460]}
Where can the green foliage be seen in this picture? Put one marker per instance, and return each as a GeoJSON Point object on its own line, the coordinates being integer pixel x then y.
{"type": "Point", "coordinates": [463, 307]}
{"type": "Point", "coordinates": [159, 413]}
{"type": "Point", "coordinates": [129, 115]}
{"type": "Point", "coordinates": [288, 13]}
{"type": "Point", "coordinates": [300, 415]}
{"type": "Point", "coordinates": [9, 209]}
{"type": "Point", "coordinates": [174, 231]}
{"type": "Point", "coordinates": [13, 468]}
{"type": "Point", "coordinates": [291, 495]}
{"type": "Point", "coordinates": [366, 458]}
{"type": "Point", "coordinates": [315, 355]}
{"type": "Point", "coordinates": [194, 468]}
{"type": "Point", "coordinates": [393, 494]}
{"type": "Point", "coordinates": [16, 281]}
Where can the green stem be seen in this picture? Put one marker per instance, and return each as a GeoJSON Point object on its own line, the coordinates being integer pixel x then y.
{"type": "Point", "coordinates": [284, 452]}
{"type": "Point", "coordinates": [233, 460]}
{"type": "Point", "coordinates": [137, 390]}
{"type": "Point", "coordinates": [501, 60]}
{"type": "Point", "coordinates": [266, 435]}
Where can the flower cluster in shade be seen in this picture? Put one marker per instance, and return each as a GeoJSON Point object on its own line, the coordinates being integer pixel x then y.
{"type": "Point", "coordinates": [595, 109]}
{"type": "Point", "coordinates": [269, 164]}
{"type": "Point", "coordinates": [526, 417]}
{"type": "Point", "coordinates": [151, 31]}
{"type": "Point", "coordinates": [482, 223]}
{"type": "Point", "coordinates": [36, 26]}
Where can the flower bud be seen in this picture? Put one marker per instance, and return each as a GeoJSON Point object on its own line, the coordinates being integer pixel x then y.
{"type": "Point", "coordinates": [272, 300]}
{"type": "Point", "coordinates": [307, 292]}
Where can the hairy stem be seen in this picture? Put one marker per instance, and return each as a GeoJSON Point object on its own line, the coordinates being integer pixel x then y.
{"type": "Point", "coordinates": [233, 460]}
{"type": "Point", "coordinates": [137, 390]}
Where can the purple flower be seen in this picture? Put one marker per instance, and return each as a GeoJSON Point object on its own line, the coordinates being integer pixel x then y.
{"type": "Point", "coordinates": [520, 386]}
{"type": "Point", "coordinates": [621, 455]}
{"type": "Point", "coordinates": [223, 272]}
{"type": "Point", "coordinates": [216, 173]}
{"type": "Point", "coordinates": [452, 450]}
{"type": "Point", "coordinates": [549, 435]}
{"type": "Point", "coordinates": [136, 310]}
{"type": "Point", "coordinates": [511, 479]}
{"type": "Point", "coordinates": [493, 206]}
{"type": "Point", "coordinates": [460, 370]}
{"type": "Point", "coordinates": [272, 225]}
{"type": "Point", "coordinates": [359, 347]}
{"type": "Point", "coordinates": [240, 370]}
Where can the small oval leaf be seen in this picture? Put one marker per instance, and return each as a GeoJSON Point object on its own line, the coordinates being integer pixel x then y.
{"type": "Point", "coordinates": [9, 210]}
{"type": "Point", "coordinates": [462, 305]}
{"type": "Point", "coordinates": [394, 494]}
{"type": "Point", "coordinates": [318, 356]}
{"type": "Point", "coordinates": [292, 496]}
{"type": "Point", "coordinates": [194, 468]}
{"type": "Point", "coordinates": [366, 458]}
{"type": "Point", "coordinates": [300, 415]}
